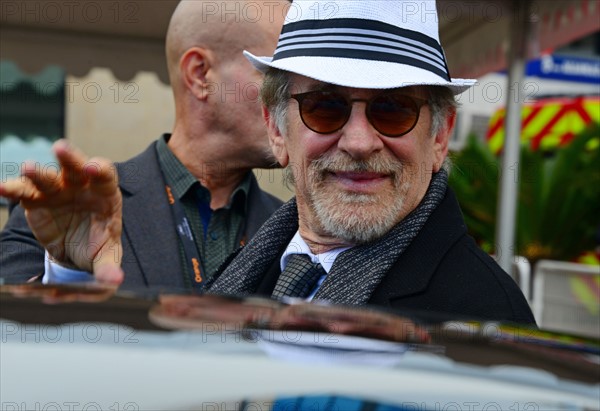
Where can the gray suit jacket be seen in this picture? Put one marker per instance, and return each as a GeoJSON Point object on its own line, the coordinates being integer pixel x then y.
{"type": "Point", "coordinates": [150, 243]}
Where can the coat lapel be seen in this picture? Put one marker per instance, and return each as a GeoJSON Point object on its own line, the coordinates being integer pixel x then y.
{"type": "Point", "coordinates": [414, 269]}
{"type": "Point", "coordinates": [151, 253]}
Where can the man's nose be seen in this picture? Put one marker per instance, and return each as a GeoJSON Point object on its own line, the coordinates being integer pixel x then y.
{"type": "Point", "coordinates": [359, 138]}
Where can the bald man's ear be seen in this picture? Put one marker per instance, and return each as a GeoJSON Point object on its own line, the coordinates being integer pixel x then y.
{"type": "Point", "coordinates": [194, 66]}
{"type": "Point", "coordinates": [276, 139]}
{"type": "Point", "coordinates": [442, 141]}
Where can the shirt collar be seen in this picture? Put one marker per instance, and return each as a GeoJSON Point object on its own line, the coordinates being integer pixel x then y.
{"type": "Point", "coordinates": [240, 197]}
{"type": "Point", "coordinates": [181, 181]}
{"type": "Point", "coordinates": [177, 176]}
{"type": "Point", "coordinates": [298, 246]}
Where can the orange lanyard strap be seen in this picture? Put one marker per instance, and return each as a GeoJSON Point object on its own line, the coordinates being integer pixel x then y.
{"type": "Point", "coordinates": [184, 231]}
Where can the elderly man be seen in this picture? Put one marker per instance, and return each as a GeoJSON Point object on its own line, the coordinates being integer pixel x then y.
{"type": "Point", "coordinates": [174, 237]}
{"type": "Point", "coordinates": [360, 107]}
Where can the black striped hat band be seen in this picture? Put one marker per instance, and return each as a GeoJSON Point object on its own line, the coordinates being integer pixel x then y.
{"type": "Point", "coordinates": [361, 39]}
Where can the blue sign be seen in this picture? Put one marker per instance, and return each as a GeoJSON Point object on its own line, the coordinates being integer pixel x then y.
{"type": "Point", "coordinates": [579, 69]}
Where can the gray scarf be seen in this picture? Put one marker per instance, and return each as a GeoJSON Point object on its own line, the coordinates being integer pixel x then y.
{"type": "Point", "coordinates": [355, 273]}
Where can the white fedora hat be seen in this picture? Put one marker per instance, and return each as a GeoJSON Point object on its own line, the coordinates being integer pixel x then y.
{"type": "Point", "coordinates": [375, 44]}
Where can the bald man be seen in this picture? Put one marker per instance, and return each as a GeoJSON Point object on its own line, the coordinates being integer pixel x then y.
{"type": "Point", "coordinates": [189, 199]}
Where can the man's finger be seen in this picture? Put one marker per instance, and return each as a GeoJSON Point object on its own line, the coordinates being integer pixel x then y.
{"type": "Point", "coordinates": [19, 189]}
{"type": "Point", "coordinates": [109, 273]}
{"type": "Point", "coordinates": [72, 162]}
{"type": "Point", "coordinates": [107, 266]}
{"type": "Point", "coordinates": [102, 175]}
{"type": "Point", "coordinates": [46, 181]}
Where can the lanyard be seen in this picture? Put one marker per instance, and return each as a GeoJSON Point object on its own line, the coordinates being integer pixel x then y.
{"type": "Point", "coordinates": [184, 230]}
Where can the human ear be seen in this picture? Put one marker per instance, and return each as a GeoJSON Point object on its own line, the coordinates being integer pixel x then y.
{"type": "Point", "coordinates": [442, 140]}
{"type": "Point", "coordinates": [194, 66]}
{"type": "Point", "coordinates": [276, 139]}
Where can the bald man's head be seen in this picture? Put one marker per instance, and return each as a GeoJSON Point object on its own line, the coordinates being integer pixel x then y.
{"type": "Point", "coordinates": [225, 28]}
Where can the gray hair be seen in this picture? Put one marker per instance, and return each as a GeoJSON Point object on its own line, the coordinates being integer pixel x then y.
{"type": "Point", "coordinates": [275, 94]}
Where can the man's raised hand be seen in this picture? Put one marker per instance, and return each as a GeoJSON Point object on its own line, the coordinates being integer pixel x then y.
{"type": "Point", "coordinates": [75, 213]}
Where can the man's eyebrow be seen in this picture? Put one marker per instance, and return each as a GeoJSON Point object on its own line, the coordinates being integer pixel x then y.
{"type": "Point", "coordinates": [319, 86]}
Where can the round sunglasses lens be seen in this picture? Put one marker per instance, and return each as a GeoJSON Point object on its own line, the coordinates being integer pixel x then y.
{"type": "Point", "coordinates": [324, 112]}
{"type": "Point", "coordinates": [394, 114]}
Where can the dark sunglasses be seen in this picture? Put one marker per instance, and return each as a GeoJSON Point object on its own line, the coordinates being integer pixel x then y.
{"type": "Point", "coordinates": [393, 114]}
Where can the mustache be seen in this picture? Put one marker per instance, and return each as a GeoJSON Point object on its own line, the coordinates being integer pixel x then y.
{"type": "Point", "coordinates": [344, 163]}
{"type": "Point", "coordinates": [320, 167]}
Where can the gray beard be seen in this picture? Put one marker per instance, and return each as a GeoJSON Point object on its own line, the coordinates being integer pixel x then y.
{"type": "Point", "coordinates": [354, 218]}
